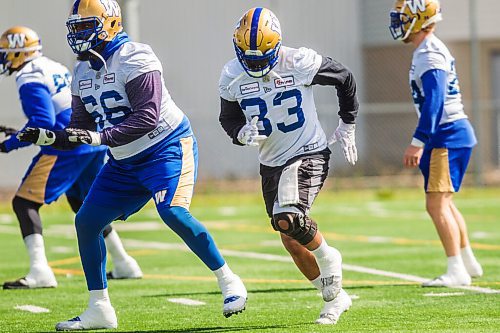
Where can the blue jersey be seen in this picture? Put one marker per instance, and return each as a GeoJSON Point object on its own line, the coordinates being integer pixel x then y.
{"type": "Point", "coordinates": [438, 101]}
{"type": "Point", "coordinates": [44, 92]}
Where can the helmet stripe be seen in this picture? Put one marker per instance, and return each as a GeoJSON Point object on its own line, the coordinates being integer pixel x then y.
{"type": "Point", "coordinates": [255, 28]}
{"type": "Point", "coordinates": [75, 7]}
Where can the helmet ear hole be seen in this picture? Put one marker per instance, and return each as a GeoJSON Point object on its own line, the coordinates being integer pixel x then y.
{"type": "Point", "coordinates": [113, 24]}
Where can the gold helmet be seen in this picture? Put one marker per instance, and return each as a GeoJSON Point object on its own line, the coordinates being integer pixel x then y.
{"type": "Point", "coordinates": [92, 22]}
{"type": "Point", "coordinates": [257, 41]}
{"type": "Point", "coordinates": [18, 45]}
{"type": "Point", "coordinates": [411, 16]}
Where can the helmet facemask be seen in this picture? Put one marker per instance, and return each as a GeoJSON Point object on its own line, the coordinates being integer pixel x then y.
{"type": "Point", "coordinates": [85, 34]}
{"type": "Point", "coordinates": [398, 23]}
{"type": "Point", "coordinates": [4, 64]}
{"type": "Point", "coordinates": [257, 64]}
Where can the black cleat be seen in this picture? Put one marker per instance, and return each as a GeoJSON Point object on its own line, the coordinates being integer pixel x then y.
{"type": "Point", "coordinates": [18, 284]}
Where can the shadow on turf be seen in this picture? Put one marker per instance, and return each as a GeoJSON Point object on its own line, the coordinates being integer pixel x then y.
{"type": "Point", "coordinates": [214, 329]}
{"type": "Point", "coordinates": [275, 290]}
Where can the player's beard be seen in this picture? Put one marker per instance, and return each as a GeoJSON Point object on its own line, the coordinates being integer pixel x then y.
{"type": "Point", "coordinates": [86, 56]}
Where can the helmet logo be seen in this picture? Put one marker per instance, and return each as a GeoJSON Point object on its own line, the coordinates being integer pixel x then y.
{"type": "Point", "coordinates": [416, 5]}
{"type": "Point", "coordinates": [16, 40]}
{"type": "Point", "coordinates": [112, 8]}
{"type": "Point", "coordinates": [275, 25]}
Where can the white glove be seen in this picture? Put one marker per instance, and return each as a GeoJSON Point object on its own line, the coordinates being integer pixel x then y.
{"type": "Point", "coordinates": [345, 134]}
{"type": "Point", "coordinates": [249, 134]}
{"type": "Point", "coordinates": [83, 136]}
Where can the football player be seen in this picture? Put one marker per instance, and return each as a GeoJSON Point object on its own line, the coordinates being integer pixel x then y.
{"type": "Point", "coordinates": [120, 101]}
{"type": "Point", "coordinates": [443, 140]}
{"type": "Point", "coordinates": [45, 97]}
{"type": "Point", "coordinates": [267, 101]}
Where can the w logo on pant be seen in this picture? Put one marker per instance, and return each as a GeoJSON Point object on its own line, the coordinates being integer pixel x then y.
{"type": "Point", "coordinates": [160, 196]}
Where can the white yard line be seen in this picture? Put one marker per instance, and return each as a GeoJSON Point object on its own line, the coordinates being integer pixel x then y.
{"type": "Point", "coordinates": [186, 301]}
{"type": "Point", "coordinates": [6, 219]}
{"type": "Point", "coordinates": [31, 308]}
{"type": "Point", "coordinates": [10, 230]}
{"type": "Point", "coordinates": [444, 294]}
{"type": "Point", "coordinates": [281, 258]}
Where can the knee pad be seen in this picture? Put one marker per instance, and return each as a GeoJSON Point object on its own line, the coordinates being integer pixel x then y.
{"type": "Point", "coordinates": [300, 227]}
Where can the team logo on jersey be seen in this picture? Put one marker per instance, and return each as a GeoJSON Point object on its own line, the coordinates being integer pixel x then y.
{"type": "Point", "coordinates": [97, 87]}
{"type": "Point", "coordinates": [109, 78]}
{"type": "Point", "coordinates": [85, 84]}
{"type": "Point", "coordinates": [249, 88]}
{"type": "Point", "coordinates": [266, 89]}
{"type": "Point", "coordinates": [160, 196]}
{"type": "Point", "coordinates": [16, 40]}
{"type": "Point", "coordinates": [284, 82]}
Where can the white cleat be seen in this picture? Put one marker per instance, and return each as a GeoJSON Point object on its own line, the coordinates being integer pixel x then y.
{"type": "Point", "coordinates": [95, 317]}
{"type": "Point", "coordinates": [473, 267]}
{"type": "Point", "coordinates": [125, 269]}
{"type": "Point", "coordinates": [235, 296]}
{"type": "Point", "coordinates": [331, 287]}
{"type": "Point", "coordinates": [447, 280]}
{"type": "Point", "coordinates": [38, 277]}
{"type": "Point", "coordinates": [331, 311]}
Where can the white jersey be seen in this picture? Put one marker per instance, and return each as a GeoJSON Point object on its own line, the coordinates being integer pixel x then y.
{"type": "Point", "coordinates": [105, 98]}
{"type": "Point", "coordinates": [433, 54]}
{"type": "Point", "coordinates": [52, 75]}
{"type": "Point", "coordinates": [284, 102]}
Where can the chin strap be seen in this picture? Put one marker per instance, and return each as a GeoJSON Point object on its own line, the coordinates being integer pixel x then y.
{"type": "Point", "coordinates": [100, 58]}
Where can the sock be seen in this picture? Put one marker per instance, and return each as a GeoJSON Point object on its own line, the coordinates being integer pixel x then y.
{"type": "Point", "coordinates": [455, 265]}
{"type": "Point", "coordinates": [36, 250]}
{"type": "Point", "coordinates": [115, 247]}
{"type": "Point", "coordinates": [329, 260]}
{"type": "Point", "coordinates": [472, 266]}
{"type": "Point", "coordinates": [317, 283]}
{"type": "Point", "coordinates": [99, 297]}
{"type": "Point", "coordinates": [224, 273]}
{"type": "Point", "coordinates": [467, 254]}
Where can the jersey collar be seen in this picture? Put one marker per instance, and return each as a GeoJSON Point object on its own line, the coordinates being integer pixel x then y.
{"type": "Point", "coordinates": [110, 49]}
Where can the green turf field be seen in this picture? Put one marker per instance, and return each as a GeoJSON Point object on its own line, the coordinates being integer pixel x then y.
{"type": "Point", "coordinates": [384, 230]}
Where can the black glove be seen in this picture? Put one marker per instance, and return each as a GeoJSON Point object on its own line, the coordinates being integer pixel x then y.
{"type": "Point", "coordinates": [8, 131]}
{"type": "Point", "coordinates": [38, 136]}
{"type": "Point", "coordinates": [3, 149]}
{"type": "Point", "coordinates": [83, 136]}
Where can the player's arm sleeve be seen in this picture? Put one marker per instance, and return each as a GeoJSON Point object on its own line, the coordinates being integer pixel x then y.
{"type": "Point", "coordinates": [333, 73]}
{"type": "Point", "coordinates": [38, 108]}
{"type": "Point", "coordinates": [434, 84]}
{"type": "Point", "coordinates": [144, 93]}
{"type": "Point", "coordinates": [232, 119]}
